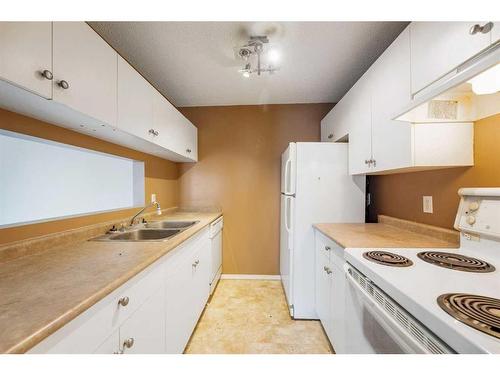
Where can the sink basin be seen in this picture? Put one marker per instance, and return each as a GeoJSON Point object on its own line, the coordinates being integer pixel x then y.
{"type": "Point", "coordinates": [141, 235]}
{"type": "Point", "coordinates": [170, 224]}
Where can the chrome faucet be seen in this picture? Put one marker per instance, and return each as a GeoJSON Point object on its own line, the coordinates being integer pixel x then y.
{"type": "Point", "coordinates": [158, 211]}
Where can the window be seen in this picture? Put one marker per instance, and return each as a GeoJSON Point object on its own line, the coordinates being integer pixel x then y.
{"type": "Point", "coordinates": [43, 180]}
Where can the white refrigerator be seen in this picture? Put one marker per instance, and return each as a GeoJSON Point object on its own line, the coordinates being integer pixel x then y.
{"type": "Point", "coordinates": [315, 188]}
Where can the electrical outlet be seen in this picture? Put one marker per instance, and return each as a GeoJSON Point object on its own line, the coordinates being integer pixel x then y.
{"type": "Point", "coordinates": [153, 198]}
{"type": "Point", "coordinates": [427, 204]}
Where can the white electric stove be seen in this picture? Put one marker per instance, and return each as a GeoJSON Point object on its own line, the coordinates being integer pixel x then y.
{"type": "Point", "coordinates": [430, 300]}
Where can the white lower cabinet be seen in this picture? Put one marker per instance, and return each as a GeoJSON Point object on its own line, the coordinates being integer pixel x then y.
{"type": "Point", "coordinates": [187, 293]}
{"type": "Point", "coordinates": [144, 331]}
{"type": "Point", "coordinates": [154, 312]}
{"type": "Point", "coordinates": [330, 290]}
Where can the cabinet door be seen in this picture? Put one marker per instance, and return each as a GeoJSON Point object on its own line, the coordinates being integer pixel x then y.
{"type": "Point", "coordinates": [391, 140]}
{"type": "Point", "coordinates": [360, 131]}
{"type": "Point", "coordinates": [25, 52]}
{"type": "Point", "coordinates": [495, 32]}
{"type": "Point", "coordinates": [187, 293]}
{"type": "Point", "coordinates": [89, 66]}
{"type": "Point", "coordinates": [190, 139]}
{"type": "Point", "coordinates": [111, 345]}
{"type": "Point", "coordinates": [135, 102]}
{"type": "Point", "coordinates": [439, 47]}
{"type": "Point", "coordinates": [335, 125]}
{"type": "Point", "coordinates": [145, 329]}
{"type": "Point", "coordinates": [323, 289]}
{"type": "Point", "coordinates": [338, 309]}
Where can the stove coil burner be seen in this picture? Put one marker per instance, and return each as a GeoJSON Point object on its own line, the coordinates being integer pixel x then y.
{"type": "Point", "coordinates": [479, 312]}
{"type": "Point", "coordinates": [387, 259]}
{"type": "Point", "coordinates": [455, 261]}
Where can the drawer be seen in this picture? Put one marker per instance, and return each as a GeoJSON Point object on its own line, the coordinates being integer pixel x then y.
{"type": "Point", "coordinates": [184, 252]}
{"type": "Point", "coordinates": [88, 331]}
{"type": "Point", "coordinates": [329, 249]}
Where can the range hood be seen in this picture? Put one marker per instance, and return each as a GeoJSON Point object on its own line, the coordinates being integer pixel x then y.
{"type": "Point", "coordinates": [468, 93]}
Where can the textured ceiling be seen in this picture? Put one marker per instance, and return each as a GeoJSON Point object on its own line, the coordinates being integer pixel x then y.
{"type": "Point", "coordinates": [193, 63]}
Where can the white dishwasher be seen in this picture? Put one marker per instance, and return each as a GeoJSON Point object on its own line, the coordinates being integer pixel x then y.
{"type": "Point", "coordinates": [216, 252]}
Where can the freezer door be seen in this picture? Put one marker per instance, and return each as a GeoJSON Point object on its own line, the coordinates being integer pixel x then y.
{"type": "Point", "coordinates": [286, 245]}
{"type": "Point", "coordinates": [288, 168]}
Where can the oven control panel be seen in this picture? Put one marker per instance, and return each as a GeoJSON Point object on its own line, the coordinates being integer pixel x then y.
{"type": "Point", "coordinates": [479, 211]}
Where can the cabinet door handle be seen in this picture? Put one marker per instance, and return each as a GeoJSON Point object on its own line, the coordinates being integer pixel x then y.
{"type": "Point", "coordinates": [63, 84]}
{"type": "Point", "coordinates": [367, 161]}
{"type": "Point", "coordinates": [196, 263]}
{"type": "Point", "coordinates": [188, 150]}
{"type": "Point", "coordinates": [477, 28]}
{"type": "Point", "coordinates": [330, 136]}
{"type": "Point", "coordinates": [374, 162]}
{"type": "Point", "coordinates": [153, 132]}
{"type": "Point", "coordinates": [328, 248]}
{"type": "Point", "coordinates": [123, 301]}
{"type": "Point", "coordinates": [128, 343]}
{"type": "Point", "coordinates": [327, 270]}
{"type": "Point", "coordinates": [47, 74]}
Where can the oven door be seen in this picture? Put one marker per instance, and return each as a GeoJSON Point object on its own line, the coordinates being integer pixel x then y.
{"type": "Point", "coordinates": [377, 324]}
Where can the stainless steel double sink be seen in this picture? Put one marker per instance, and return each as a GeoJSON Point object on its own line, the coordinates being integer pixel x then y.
{"type": "Point", "coordinates": [154, 231]}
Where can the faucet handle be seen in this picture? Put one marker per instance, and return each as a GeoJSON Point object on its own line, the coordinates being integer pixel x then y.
{"type": "Point", "coordinates": [113, 229]}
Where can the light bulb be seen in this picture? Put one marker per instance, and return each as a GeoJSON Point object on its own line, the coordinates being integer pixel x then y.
{"type": "Point", "coordinates": [273, 56]}
{"type": "Point", "coordinates": [487, 82]}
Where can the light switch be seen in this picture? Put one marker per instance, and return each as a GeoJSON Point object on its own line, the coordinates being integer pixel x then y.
{"type": "Point", "coordinates": [153, 198]}
{"type": "Point", "coordinates": [427, 203]}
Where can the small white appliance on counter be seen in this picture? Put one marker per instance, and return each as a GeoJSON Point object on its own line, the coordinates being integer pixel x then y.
{"type": "Point", "coordinates": [315, 188]}
{"type": "Point", "coordinates": [430, 300]}
{"type": "Point", "coordinates": [215, 234]}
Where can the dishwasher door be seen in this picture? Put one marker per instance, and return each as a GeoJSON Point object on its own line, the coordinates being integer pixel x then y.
{"type": "Point", "coordinates": [216, 252]}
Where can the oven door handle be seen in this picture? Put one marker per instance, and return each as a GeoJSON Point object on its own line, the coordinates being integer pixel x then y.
{"type": "Point", "coordinates": [392, 327]}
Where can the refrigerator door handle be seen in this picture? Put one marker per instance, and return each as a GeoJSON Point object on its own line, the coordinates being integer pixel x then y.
{"type": "Point", "coordinates": [288, 208]}
{"type": "Point", "coordinates": [287, 176]}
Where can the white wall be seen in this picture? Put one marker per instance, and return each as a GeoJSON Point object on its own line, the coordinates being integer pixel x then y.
{"type": "Point", "coordinates": [42, 180]}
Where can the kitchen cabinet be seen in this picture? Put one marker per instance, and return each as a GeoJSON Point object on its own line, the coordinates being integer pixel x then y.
{"type": "Point", "coordinates": [176, 132]}
{"type": "Point", "coordinates": [93, 90]}
{"type": "Point", "coordinates": [330, 290]}
{"type": "Point", "coordinates": [187, 293]}
{"type": "Point", "coordinates": [335, 125]}
{"type": "Point", "coordinates": [135, 102]}
{"type": "Point", "coordinates": [26, 55]}
{"type": "Point", "coordinates": [439, 47]}
{"type": "Point", "coordinates": [495, 32]}
{"type": "Point", "coordinates": [144, 331]}
{"type": "Point", "coordinates": [360, 122]}
{"type": "Point", "coordinates": [391, 140]}
{"type": "Point", "coordinates": [154, 312]}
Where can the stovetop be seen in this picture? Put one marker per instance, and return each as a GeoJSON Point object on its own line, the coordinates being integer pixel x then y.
{"type": "Point", "coordinates": [418, 287]}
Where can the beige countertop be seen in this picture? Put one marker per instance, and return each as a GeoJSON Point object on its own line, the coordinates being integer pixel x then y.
{"type": "Point", "coordinates": [390, 232]}
{"type": "Point", "coordinates": [42, 292]}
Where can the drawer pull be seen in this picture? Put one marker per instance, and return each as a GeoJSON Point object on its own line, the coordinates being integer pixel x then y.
{"type": "Point", "coordinates": [196, 263]}
{"type": "Point", "coordinates": [63, 84]}
{"type": "Point", "coordinates": [477, 28]}
{"type": "Point", "coordinates": [328, 248]}
{"type": "Point", "coordinates": [47, 74]}
{"type": "Point", "coordinates": [123, 301]}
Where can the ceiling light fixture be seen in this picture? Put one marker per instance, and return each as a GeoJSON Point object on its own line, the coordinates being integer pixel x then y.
{"type": "Point", "coordinates": [254, 50]}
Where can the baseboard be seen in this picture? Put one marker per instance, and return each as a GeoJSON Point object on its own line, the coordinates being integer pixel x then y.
{"type": "Point", "coordinates": [232, 276]}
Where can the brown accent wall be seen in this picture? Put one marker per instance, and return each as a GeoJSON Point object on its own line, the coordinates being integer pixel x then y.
{"type": "Point", "coordinates": [239, 170]}
{"type": "Point", "coordinates": [161, 175]}
{"type": "Point", "coordinates": [400, 195]}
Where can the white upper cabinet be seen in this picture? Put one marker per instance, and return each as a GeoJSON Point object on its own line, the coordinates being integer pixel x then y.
{"type": "Point", "coordinates": [495, 32]}
{"type": "Point", "coordinates": [26, 55]}
{"type": "Point", "coordinates": [176, 133]}
{"type": "Point", "coordinates": [360, 121]}
{"type": "Point", "coordinates": [135, 102]}
{"type": "Point", "coordinates": [335, 125]}
{"type": "Point", "coordinates": [391, 140]}
{"type": "Point", "coordinates": [85, 74]}
{"type": "Point", "coordinates": [439, 47]}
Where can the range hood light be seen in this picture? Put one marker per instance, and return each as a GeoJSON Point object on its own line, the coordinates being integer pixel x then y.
{"type": "Point", "coordinates": [487, 82]}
